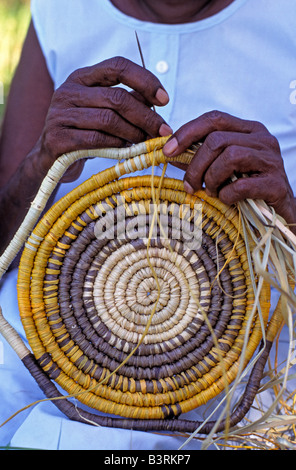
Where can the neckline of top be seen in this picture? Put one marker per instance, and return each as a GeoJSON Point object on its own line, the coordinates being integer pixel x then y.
{"type": "Point", "coordinates": [173, 28]}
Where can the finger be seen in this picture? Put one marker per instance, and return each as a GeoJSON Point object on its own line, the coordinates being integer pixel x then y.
{"type": "Point", "coordinates": [120, 70]}
{"type": "Point", "coordinates": [198, 129]}
{"type": "Point", "coordinates": [73, 172]}
{"type": "Point", "coordinates": [96, 139]}
{"type": "Point", "coordinates": [69, 140]}
{"type": "Point", "coordinates": [181, 166]}
{"type": "Point", "coordinates": [213, 147]}
{"type": "Point", "coordinates": [272, 190]}
{"type": "Point", "coordinates": [125, 104]}
{"type": "Point", "coordinates": [234, 159]}
{"type": "Point", "coordinates": [139, 97]}
{"type": "Point", "coordinates": [256, 187]}
{"type": "Point", "coordinates": [103, 119]}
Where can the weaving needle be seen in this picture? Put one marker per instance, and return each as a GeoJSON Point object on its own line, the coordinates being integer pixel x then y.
{"type": "Point", "coordinates": [140, 50]}
{"type": "Point", "coordinates": [142, 58]}
{"type": "Point", "coordinates": [143, 61]}
{"type": "Point", "coordinates": [194, 147]}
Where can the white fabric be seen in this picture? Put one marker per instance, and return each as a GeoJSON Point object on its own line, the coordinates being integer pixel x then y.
{"type": "Point", "coordinates": [241, 61]}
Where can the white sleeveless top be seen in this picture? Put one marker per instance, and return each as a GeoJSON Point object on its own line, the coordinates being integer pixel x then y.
{"type": "Point", "coordinates": [241, 61]}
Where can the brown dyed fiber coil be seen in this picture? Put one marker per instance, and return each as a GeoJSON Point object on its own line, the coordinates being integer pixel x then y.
{"type": "Point", "coordinates": [89, 280]}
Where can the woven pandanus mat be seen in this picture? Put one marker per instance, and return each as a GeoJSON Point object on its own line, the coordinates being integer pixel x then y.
{"type": "Point", "coordinates": [137, 298]}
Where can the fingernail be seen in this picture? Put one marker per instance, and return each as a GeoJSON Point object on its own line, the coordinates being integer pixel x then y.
{"type": "Point", "coordinates": [210, 193]}
{"type": "Point", "coordinates": [170, 147]}
{"type": "Point", "coordinates": [162, 96]}
{"type": "Point", "coordinates": [188, 188]}
{"type": "Point", "coordinates": [165, 130]}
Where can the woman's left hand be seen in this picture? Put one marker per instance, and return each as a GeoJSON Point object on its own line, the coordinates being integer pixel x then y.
{"type": "Point", "coordinates": [233, 146]}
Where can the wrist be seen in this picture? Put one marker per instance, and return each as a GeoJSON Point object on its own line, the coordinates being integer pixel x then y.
{"type": "Point", "coordinates": [287, 211]}
{"type": "Point", "coordinates": [291, 218]}
{"type": "Point", "coordinates": [36, 162]}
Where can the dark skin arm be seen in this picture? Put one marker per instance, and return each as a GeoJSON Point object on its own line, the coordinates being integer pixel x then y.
{"type": "Point", "coordinates": [85, 112]}
{"type": "Point", "coordinates": [26, 109]}
{"type": "Point", "coordinates": [233, 146]}
{"type": "Point", "coordinates": [28, 102]}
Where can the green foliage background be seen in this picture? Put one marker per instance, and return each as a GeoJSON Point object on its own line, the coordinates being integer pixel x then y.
{"type": "Point", "coordinates": [14, 22]}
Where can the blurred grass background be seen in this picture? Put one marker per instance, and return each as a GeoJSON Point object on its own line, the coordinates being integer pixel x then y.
{"type": "Point", "coordinates": [14, 22]}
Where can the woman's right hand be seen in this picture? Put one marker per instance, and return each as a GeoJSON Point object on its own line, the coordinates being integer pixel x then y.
{"type": "Point", "coordinates": [88, 111]}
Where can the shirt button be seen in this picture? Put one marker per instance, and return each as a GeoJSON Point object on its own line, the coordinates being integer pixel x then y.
{"type": "Point", "coordinates": [162, 66]}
